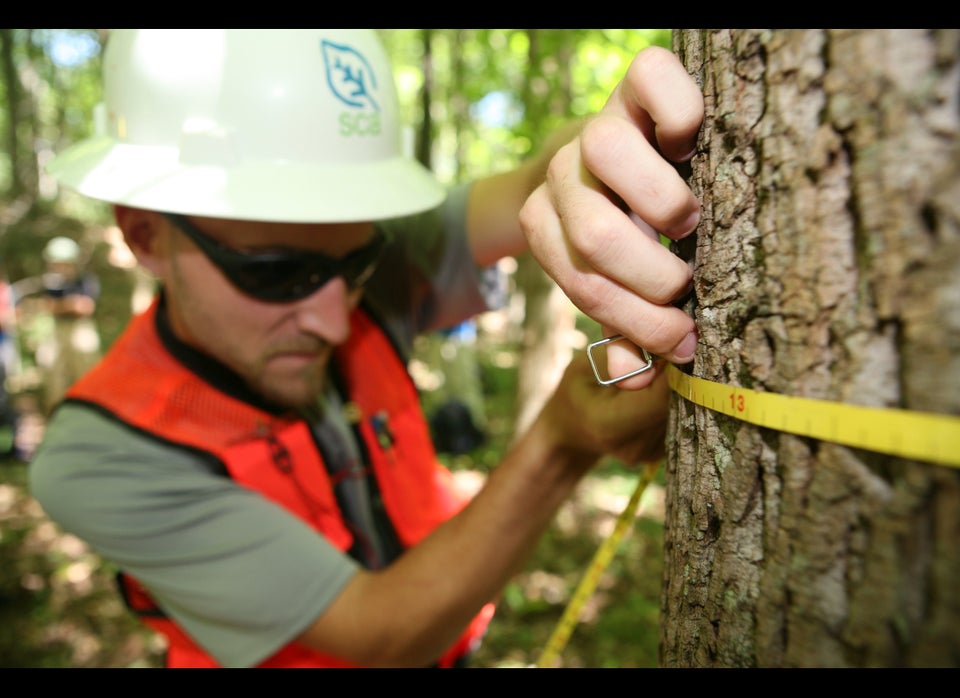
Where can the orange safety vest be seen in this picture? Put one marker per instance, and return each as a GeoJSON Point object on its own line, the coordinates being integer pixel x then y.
{"type": "Point", "coordinates": [142, 384]}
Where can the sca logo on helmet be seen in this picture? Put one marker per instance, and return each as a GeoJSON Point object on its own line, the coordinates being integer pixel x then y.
{"type": "Point", "coordinates": [352, 81]}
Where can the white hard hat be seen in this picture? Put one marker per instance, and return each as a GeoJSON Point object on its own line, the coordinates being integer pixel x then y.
{"type": "Point", "coordinates": [61, 249]}
{"type": "Point", "coordinates": [294, 125]}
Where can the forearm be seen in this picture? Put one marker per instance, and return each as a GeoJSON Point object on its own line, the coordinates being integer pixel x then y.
{"type": "Point", "coordinates": [73, 306]}
{"type": "Point", "coordinates": [408, 614]}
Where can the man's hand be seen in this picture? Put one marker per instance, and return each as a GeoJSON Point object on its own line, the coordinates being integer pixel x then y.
{"type": "Point", "coordinates": [593, 225]}
{"type": "Point", "coordinates": [597, 421]}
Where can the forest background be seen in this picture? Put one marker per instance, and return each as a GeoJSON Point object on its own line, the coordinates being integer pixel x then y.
{"type": "Point", "coordinates": [475, 101]}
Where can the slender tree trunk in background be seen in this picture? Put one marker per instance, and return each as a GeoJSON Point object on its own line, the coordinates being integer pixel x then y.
{"type": "Point", "coordinates": [549, 317]}
{"type": "Point", "coordinates": [12, 107]}
{"type": "Point", "coordinates": [424, 139]}
{"type": "Point", "coordinates": [827, 266]}
{"type": "Point", "coordinates": [19, 196]}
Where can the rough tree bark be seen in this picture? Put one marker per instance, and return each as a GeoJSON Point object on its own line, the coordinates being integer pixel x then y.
{"type": "Point", "coordinates": [827, 265]}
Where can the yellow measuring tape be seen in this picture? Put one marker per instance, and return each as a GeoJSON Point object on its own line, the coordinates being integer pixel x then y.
{"type": "Point", "coordinates": [591, 577]}
{"type": "Point", "coordinates": [924, 436]}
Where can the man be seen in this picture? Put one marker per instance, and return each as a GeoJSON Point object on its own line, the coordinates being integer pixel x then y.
{"type": "Point", "coordinates": [9, 359]}
{"type": "Point", "coordinates": [251, 452]}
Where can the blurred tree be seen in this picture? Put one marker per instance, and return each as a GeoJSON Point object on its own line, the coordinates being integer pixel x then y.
{"type": "Point", "coordinates": [50, 82]}
{"type": "Point", "coordinates": [549, 317]}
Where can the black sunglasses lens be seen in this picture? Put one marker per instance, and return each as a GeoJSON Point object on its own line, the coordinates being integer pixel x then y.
{"type": "Point", "coordinates": [285, 276]}
{"type": "Point", "coordinates": [357, 268]}
{"type": "Point", "coordinates": [293, 276]}
{"type": "Point", "coordinates": [279, 279]}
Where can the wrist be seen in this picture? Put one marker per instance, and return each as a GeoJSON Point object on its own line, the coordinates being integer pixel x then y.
{"type": "Point", "coordinates": [564, 458]}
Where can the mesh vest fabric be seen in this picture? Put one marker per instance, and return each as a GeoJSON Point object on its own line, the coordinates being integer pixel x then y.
{"type": "Point", "coordinates": [142, 384]}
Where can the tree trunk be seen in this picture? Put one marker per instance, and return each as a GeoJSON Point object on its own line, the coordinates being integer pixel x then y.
{"type": "Point", "coordinates": [549, 317]}
{"type": "Point", "coordinates": [827, 266]}
{"type": "Point", "coordinates": [12, 107]}
{"type": "Point", "coordinates": [423, 143]}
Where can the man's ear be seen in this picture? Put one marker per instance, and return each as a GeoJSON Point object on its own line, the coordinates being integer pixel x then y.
{"type": "Point", "coordinates": [144, 235]}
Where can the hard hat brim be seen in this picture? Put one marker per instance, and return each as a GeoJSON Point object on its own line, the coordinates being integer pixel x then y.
{"type": "Point", "coordinates": [153, 178]}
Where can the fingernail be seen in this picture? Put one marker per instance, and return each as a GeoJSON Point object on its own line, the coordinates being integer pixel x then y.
{"type": "Point", "coordinates": [688, 225]}
{"type": "Point", "coordinates": [685, 350]}
{"type": "Point", "coordinates": [692, 221]}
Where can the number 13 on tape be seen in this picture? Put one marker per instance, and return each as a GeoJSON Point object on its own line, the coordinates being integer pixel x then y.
{"type": "Point", "coordinates": [922, 436]}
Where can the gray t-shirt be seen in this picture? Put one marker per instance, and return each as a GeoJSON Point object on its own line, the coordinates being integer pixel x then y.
{"type": "Point", "coordinates": [240, 574]}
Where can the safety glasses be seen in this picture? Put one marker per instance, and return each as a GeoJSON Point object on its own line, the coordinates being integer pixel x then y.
{"type": "Point", "coordinates": [284, 275]}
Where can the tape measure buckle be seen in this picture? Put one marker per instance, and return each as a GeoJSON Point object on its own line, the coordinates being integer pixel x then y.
{"type": "Point", "coordinates": [647, 356]}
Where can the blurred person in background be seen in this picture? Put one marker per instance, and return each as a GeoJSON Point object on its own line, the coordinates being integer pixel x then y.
{"type": "Point", "coordinates": [69, 294]}
{"type": "Point", "coordinates": [9, 368]}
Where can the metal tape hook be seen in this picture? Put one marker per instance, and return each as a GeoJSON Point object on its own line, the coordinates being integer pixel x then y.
{"type": "Point", "coordinates": [610, 381]}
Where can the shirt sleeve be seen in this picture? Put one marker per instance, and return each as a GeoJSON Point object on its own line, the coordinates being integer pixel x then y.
{"type": "Point", "coordinates": [131, 498]}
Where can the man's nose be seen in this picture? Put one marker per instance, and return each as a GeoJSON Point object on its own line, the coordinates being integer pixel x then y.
{"type": "Point", "coordinates": [325, 313]}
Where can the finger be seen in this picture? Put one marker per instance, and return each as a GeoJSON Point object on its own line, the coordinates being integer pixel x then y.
{"type": "Point", "coordinates": [618, 244]}
{"type": "Point", "coordinates": [658, 94]}
{"type": "Point", "coordinates": [665, 331]}
{"type": "Point", "coordinates": [623, 358]}
{"type": "Point", "coordinates": [627, 358]}
{"type": "Point", "coordinates": [618, 155]}
{"type": "Point", "coordinates": [661, 329]}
